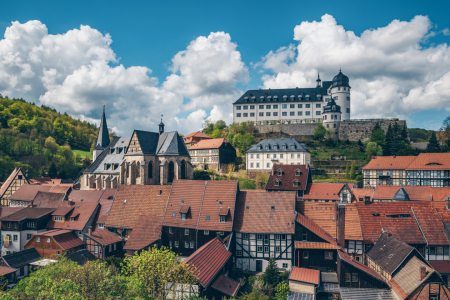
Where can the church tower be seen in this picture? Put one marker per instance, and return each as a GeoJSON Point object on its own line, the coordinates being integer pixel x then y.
{"type": "Point", "coordinates": [102, 138]}
{"type": "Point", "coordinates": [340, 92]}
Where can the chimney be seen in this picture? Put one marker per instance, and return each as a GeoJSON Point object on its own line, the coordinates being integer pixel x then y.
{"type": "Point", "coordinates": [90, 230]}
{"type": "Point", "coordinates": [373, 157]}
{"type": "Point", "coordinates": [423, 273]}
{"type": "Point", "coordinates": [341, 225]}
{"type": "Point", "coordinates": [366, 200]}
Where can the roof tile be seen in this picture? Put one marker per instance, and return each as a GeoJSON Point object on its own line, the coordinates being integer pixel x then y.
{"type": "Point", "coordinates": [146, 231]}
{"type": "Point", "coordinates": [286, 180]}
{"type": "Point", "coordinates": [305, 275]}
{"type": "Point", "coordinates": [226, 285]}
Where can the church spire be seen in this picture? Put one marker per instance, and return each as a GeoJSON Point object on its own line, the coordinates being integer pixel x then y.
{"type": "Point", "coordinates": [103, 135]}
{"type": "Point", "coordinates": [319, 82]}
{"type": "Point", "coordinates": [161, 126]}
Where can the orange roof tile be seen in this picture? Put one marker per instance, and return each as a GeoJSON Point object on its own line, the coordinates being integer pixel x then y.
{"type": "Point", "coordinates": [305, 275]}
{"type": "Point", "coordinates": [48, 199]}
{"type": "Point", "coordinates": [389, 163]}
{"type": "Point", "coordinates": [198, 134]}
{"type": "Point", "coordinates": [226, 285]}
{"type": "Point", "coordinates": [430, 161]}
{"type": "Point", "coordinates": [59, 189]}
{"type": "Point", "coordinates": [415, 193]}
{"type": "Point", "coordinates": [313, 245]}
{"type": "Point", "coordinates": [323, 191]}
{"type": "Point", "coordinates": [7, 270]}
{"type": "Point", "coordinates": [146, 231]}
{"type": "Point", "coordinates": [398, 289]}
{"type": "Point", "coordinates": [259, 217]}
{"type": "Point", "coordinates": [105, 237]}
{"type": "Point", "coordinates": [286, 180]}
{"type": "Point", "coordinates": [313, 227]}
{"type": "Point", "coordinates": [430, 224]}
{"type": "Point", "coordinates": [440, 193]}
{"type": "Point", "coordinates": [82, 211]}
{"type": "Point", "coordinates": [28, 192]}
{"type": "Point", "coordinates": [361, 193]}
{"type": "Point", "coordinates": [208, 144]}
{"type": "Point", "coordinates": [91, 196]}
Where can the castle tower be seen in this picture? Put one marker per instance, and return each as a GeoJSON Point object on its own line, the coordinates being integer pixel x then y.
{"type": "Point", "coordinates": [102, 138]}
{"type": "Point", "coordinates": [340, 92]}
{"type": "Point", "coordinates": [331, 116]}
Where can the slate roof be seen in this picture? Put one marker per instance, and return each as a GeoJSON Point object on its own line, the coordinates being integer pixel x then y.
{"type": "Point", "coordinates": [168, 143]}
{"type": "Point", "coordinates": [262, 96]}
{"type": "Point", "coordinates": [305, 275]}
{"type": "Point", "coordinates": [81, 256]}
{"type": "Point", "coordinates": [103, 135]}
{"type": "Point", "coordinates": [47, 199]}
{"type": "Point", "coordinates": [346, 258]}
{"type": "Point", "coordinates": [104, 237]}
{"type": "Point", "coordinates": [286, 182]}
{"type": "Point", "coordinates": [389, 163]}
{"type": "Point", "coordinates": [140, 200]}
{"type": "Point", "coordinates": [28, 213]}
{"type": "Point", "coordinates": [260, 217]}
{"type": "Point", "coordinates": [389, 252]}
{"type": "Point", "coordinates": [28, 192]}
{"type": "Point", "coordinates": [275, 145]}
{"type": "Point", "coordinates": [226, 285]}
{"type": "Point", "coordinates": [146, 231]}
{"type": "Point", "coordinates": [208, 144]}
{"type": "Point", "coordinates": [22, 258]}
{"type": "Point", "coordinates": [97, 165]}
{"type": "Point", "coordinates": [208, 261]}
{"type": "Point", "coordinates": [82, 211]}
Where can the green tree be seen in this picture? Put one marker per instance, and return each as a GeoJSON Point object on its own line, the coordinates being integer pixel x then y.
{"type": "Point", "coordinates": [261, 180]}
{"type": "Point", "coordinates": [220, 125]}
{"type": "Point", "coordinates": [271, 275]}
{"type": "Point", "coordinates": [387, 150]}
{"type": "Point", "coordinates": [281, 291]}
{"type": "Point", "coordinates": [373, 149]}
{"type": "Point", "coordinates": [353, 171]}
{"type": "Point", "coordinates": [51, 145]}
{"type": "Point", "coordinates": [433, 144]}
{"type": "Point", "coordinates": [52, 173]}
{"type": "Point", "coordinates": [378, 135]}
{"type": "Point", "coordinates": [319, 132]}
{"type": "Point", "coordinates": [347, 172]}
{"type": "Point", "coordinates": [445, 128]}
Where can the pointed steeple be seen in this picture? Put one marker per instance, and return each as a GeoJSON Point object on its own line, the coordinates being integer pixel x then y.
{"type": "Point", "coordinates": [161, 126]}
{"type": "Point", "coordinates": [319, 82]}
{"type": "Point", "coordinates": [103, 135]}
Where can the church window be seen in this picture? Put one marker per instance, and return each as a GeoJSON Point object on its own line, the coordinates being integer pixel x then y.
{"type": "Point", "coordinates": [171, 172]}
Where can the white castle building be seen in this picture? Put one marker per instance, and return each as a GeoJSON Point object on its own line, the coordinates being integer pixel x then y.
{"type": "Point", "coordinates": [299, 105]}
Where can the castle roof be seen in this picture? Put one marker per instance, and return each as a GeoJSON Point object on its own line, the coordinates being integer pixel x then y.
{"type": "Point", "coordinates": [340, 80]}
{"type": "Point", "coordinates": [331, 107]}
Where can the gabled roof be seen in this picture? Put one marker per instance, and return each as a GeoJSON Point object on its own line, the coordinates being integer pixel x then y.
{"type": "Point", "coordinates": [440, 193]}
{"type": "Point", "coordinates": [430, 224]}
{"type": "Point", "coordinates": [47, 199]}
{"type": "Point", "coordinates": [288, 177]}
{"type": "Point", "coordinates": [6, 270]}
{"type": "Point", "coordinates": [290, 143]}
{"type": "Point", "coordinates": [208, 261]}
{"type": "Point", "coordinates": [106, 157]}
{"type": "Point", "coordinates": [106, 202]}
{"type": "Point", "coordinates": [6, 211]}
{"type": "Point", "coordinates": [208, 144]}
{"type": "Point", "coordinates": [324, 191]}
{"type": "Point", "coordinates": [315, 245]}
{"type": "Point", "coordinates": [198, 134]}
{"type": "Point", "coordinates": [63, 210]}
{"type": "Point", "coordinates": [259, 217]}
{"type": "Point", "coordinates": [82, 212]}
{"type": "Point", "coordinates": [146, 232]}
{"type": "Point", "coordinates": [314, 228]}
{"type": "Point", "coordinates": [4, 187]}
{"type": "Point", "coordinates": [389, 162]}
{"type": "Point", "coordinates": [168, 143]}
{"type": "Point", "coordinates": [104, 237]}
{"type": "Point", "coordinates": [81, 256]}
{"type": "Point", "coordinates": [28, 192]}
{"type": "Point", "coordinates": [389, 252]}
{"type": "Point", "coordinates": [140, 200]}
{"type": "Point", "coordinates": [65, 238]}
{"type": "Point", "coordinates": [362, 192]}
{"type": "Point", "coordinates": [22, 258]}
{"type": "Point", "coordinates": [305, 275]}
{"type": "Point", "coordinates": [28, 213]}
{"type": "Point", "coordinates": [346, 258]}
{"type": "Point", "coordinates": [430, 161]}
{"type": "Point", "coordinates": [90, 196]}
{"type": "Point", "coordinates": [226, 285]}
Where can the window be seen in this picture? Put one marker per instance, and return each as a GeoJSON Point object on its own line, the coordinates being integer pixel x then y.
{"type": "Point", "coordinates": [328, 255]}
{"type": "Point", "coordinates": [186, 245]}
{"type": "Point", "coordinates": [245, 107]}
{"type": "Point", "coordinates": [277, 182]}
{"type": "Point", "coordinates": [267, 114]}
{"type": "Point", "coordinates": [307, 113]}
{"type": "Point", "coordinates": [292, 113]}
{"type": "Point", "coordinates": [305, 255]}
{"type": "Point", "coordinates": [110, 248]}
{"type": "Point", "coordinates": [277, 249]}
{"type": "Point", "coordinates": [186, 231]}
{"type": "Point", "coordinates": [29, 235]}
{"type": "Point", "coordinates": [266, 249]}
{"type": "Point", "coordinates": [259, 249]}
{"type": "Point", "coordinates": [317, 105]}
{"type": "Point", "coordinates": [298, 155]}
{"type": "Point", "coordinates": [285, 265]}
{"type": "Point", "coordinates": [281, 155]}
{"type": "Point", "coordinates": [432, 250]}
{"type": "Point", "coordinates": [174, 215]}
{"type": "Point", "coordinates": [348, 110]}
{"type": "Point", "coordinates": [238, 253]}
{"type": "Point", "coordinates": [206, 232]}
{"type": "Point", "coordinates": [245, 115]}
{"type": "Point", "coordinates": [275, 114]}
{"type": "Point", "coordinates": [292, 155]}
{"type": "Point", "coordinates": [275, 106]}
{"type": "Point", "coordinates": [15, 237]}
{"type": "Point", "coordinates": [305, 237]}
{"type": "Point", "coordinates": [299, 113]}
{"type": "Point", "coordinates": [267, 106]}
{"type": "Point", "coordinates": [284, 114]}
{"type": "Point", "coordinates": [348, 98]}
{"type": "Point", "coordinates": [292, 106]}
{"type": "Point", "coordinates": [245, 236]}
{"type": "Point", "coordinates": [238, 107]}
{"type": "Point", "coordinates": [283, 237]}
{"type": "Point", "coordinates": [38, 240]}
{"type": "Point", "coordinates": [96, 249]}
{"type": "Point", "coordinates": [257, 165]}
{"type": "Point", "coordinates": [176, 244]}
{"type": "Point", "coordinates": [277, 237]}
{"type": "Point", "coordinates": [354, 277]}
{"type": "Point", "coordinates": [261, 107]}
{"type": "Point", "coordinates": [307, 105]}
{"type": "Point", "coordinates": [170, 230]}
{"type": "Point", "coordinates": [268, 165]}
{"type": "Point", "coordinates": [261, 114]}
{"type": "Point", "coordinates": [259, 237]}
{"type": "Point", "coordinates": [170, 244]}
{"type": "Point", "coordinates": [30, 224]}
{"type": "Point", "coordinates": [347, 277]}
{"type": "Point", "coordinates": [183, 216]}
{"type": "Point", "coordinates": [252, 114]}
{"type": "Point", "coordinates": [299, 105]}
{"type": "Point", "coordinates": [101, 225]}
{"type": "Point", "coordinates": [8, 225]}
{"type": "Point", "coordinates": [223, 219]}
{"type": "Point", "coordinates": [252, 107]}
{"type": "Point", "coordinates": [238, 115]}
{"type": "Point", "coordinates": [251, 156]}
{"type": "Point", "coordinates": [439, 250]}
{"type": "Point", "coordinates": [251, 165]}
{"type": "Point", "coordinates": [15, 225]}
{"type": "Point", "coordinates": [317, 113]}
{"type": "Point", "coordinates": [48, 240]}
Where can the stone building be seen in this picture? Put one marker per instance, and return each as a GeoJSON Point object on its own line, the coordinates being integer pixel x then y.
{"type": "Point", "coordinates": [213, 154]}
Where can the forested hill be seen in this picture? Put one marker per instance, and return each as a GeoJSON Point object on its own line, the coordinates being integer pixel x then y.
{"type": "Point", "coordinates": [41, 140]}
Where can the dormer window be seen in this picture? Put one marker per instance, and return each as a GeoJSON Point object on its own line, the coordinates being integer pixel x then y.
{"type": "Point", "coordinates": [298, 172]}
{"type": "Point", "coordinates": [101, 225]}
{"type": "Point", "coordinates": [277, 182]}
{"type": "Point", "coordinates": [183, 217]}
{"type": "Point", "coordinates": [280, 172]}
{"type": "Point", "coordinates": [223, 219]}
{"type": "Point", "coordinates": [295, 183]}
{"type": "Point", "coordinates": [58, 218]}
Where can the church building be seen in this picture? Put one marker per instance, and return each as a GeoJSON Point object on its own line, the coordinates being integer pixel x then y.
{"type": "Point", "coordinates": [156, 158]}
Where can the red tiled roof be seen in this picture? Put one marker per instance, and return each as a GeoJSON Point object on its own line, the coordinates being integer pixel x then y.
{"type": "Point", "coordinates": [208, 260]}
{"type": "Point", "coordinates": [65, 238]}
{"type": "Point", "coordinates": [260, 217]}
{"type": "Point", "coordinates": [146, 232]}
{"type": "Point", "coordinates": [323, 191]}
{"type": "Point", "coordinates": [226, 285]}
{"type": "Point", "coordinates": [313, 245]}
{"type": "Point", "coordinates": [6, 211]}
{"type": "Point", "coordinates": [430, 224]}
{"type": "Point", "coordinates": [430, 161]}
{"type": "Point", "coordinates": [108, 194]}
{"type": "Point", "coordinates": [286, 181]}
{"type": "Point", "coordinates": [305, 275]}
{"type": "Point", "coordinates": [346, 258]}
{"type": "Point", "coordinates": [105, 237]}
{"type": "Point", "coordinates": [313, 227]}
{"type": "Point", "coordinates": [8, 181]}
{"type": "Point", "coordinates": [415, 193]}
{"type": "Point", "coordinates": [361, 193]}
{"type": "Point", "coordinates": [28, 192]}
{"type": "Point", "coordinates": [440, 193]}
{"type": "Point", "coordinates": [48, 199]}
{"type": "Point", "coordinates": [42, 179]}
{"type": "Point", "coordinates": [89, 196]}
{"type": "Point", "coordinates": [208, 144]}
{"type": "Point", "coordinates": [441, 266]}
{"type": "Point", "coordinates": [389, 163]}
{"type": "Point", "coordinates": [63, 210]}
{"type": "Point", "coordinates": [197, 134]}
{"type": "Point", "coordinates": [84, 212]}
{"type": "Point", "coordinates": [28, 213]}
{"type": "Point", "coordinates": [105, 207]}
{"type": "Point", "coordinates": [7, 270]}
{"type": "Point", "coordinates": [141, 200]}
{"type": "Point", "coordinates": [59, 189]}
{"type": "Point", "coordinates": [441, 208]}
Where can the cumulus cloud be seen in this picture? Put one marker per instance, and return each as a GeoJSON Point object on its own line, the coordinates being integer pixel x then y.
{"type": "Point", "coordinates": [391, 73]}
{"type": "Point", "coordinates": [76, 70]}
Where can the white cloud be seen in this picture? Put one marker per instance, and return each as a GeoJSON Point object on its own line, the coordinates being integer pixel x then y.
{"type": "Point", "coordinates": [391, 73]}
{"type": "Point", "coordinates": [76, 70]}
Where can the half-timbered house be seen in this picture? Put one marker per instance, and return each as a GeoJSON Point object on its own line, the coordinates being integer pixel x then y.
{"type": "Point", "coordinates": [14, 181]}
{"type": "Point", "coordinates": [104, 243]}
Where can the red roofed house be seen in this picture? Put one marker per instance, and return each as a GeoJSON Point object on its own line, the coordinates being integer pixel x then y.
{"type": "Point", "coordinates": [195, 137]}
{"type": "Point", "coordinates": [25, 195]}
{"type": "Point", "coordinates": [304, 281]}
{"type": "Point", "coordinates": [213, 154]}
{"type": "Point", "coordinates": [103, 243]}
{"type": "Point", "coordinates": [426, 169]}
{"type": "Point", "coordinates": [146, 234]}
{"type": "Point", "coordinates": [14, 181]}
{"type": "Point", "coordinates": [198, 211]}
{"type": "Point", "coordinates": [54, 243]}
{"type": "Point", "coordinates": [75, 216]}
{"type": "Point", "coordinates": [289, 178]}
{"type": "Point", "coordinates": [328, 192]}
{"type": "Point", "coordinates": [264, 227]}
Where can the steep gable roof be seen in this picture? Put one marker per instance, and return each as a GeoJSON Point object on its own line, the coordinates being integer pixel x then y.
{"type": "Point", "coordinates": [82, 212]}
{"type": "Point", "coordinates": [346, 258]}
{"type": "Point", "coordinates": [47, 199]}
{"type": "Point", "coordinates": [4, 187]}
{"type": "Point", "coordinates": [314, 228]}
{"type": "Point", "coordinates": [171, 143]}
{"type": "Point", "coordinates": [98, 162]}
{"type": "Point", "coordinates": [28, 192]}
{"type": "Point", "coordinates": [402, 193]}
{"type": "Point", "coordinates": [103, 135]}
{"type": "Point", "coordinates": [323, 191]}
{"type": "Point", "coordinates": [430, 161]}
{"type": "Point", "coordinates": [65, 238]}
{"type": "Point", "coordinates": [146, 232]}
{"type": "Point", "coordinates": [288, 177]}
{"type": "Point", "coordinates": [198, 134]}
{"type": "Point", "coordinates": [104, 237]}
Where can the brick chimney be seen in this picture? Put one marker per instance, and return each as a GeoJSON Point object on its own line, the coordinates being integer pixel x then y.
{"type": "Point", "coordinates": [366, 200]}
{"type": "Point", "coordinates": [90, 230]}
{"type": "Point", "coordinates": [341, 224]}
{"type": "Point", "coordinates": [423, 273]}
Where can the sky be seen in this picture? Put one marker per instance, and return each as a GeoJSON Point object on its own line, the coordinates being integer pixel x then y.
{"type": "Point", "coordinates": [190, 60]}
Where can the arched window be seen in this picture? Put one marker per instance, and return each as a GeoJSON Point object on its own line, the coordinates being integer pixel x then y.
{"type": "Point", "coordinates": [171, 172]}
{"type": "Point", "coordinates": [183, 169]}
{"type": "Point", "coordinates": [150, 170]}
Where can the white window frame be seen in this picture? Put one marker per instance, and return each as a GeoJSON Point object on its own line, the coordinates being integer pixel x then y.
{"type": "Point", "coordinates": [186, 231]}
{"type": "Point", "coordinates": [96, 249]}
{"type": "Point", "coordinates": [205, 232]}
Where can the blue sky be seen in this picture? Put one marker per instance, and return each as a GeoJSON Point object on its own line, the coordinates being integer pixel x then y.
{"type": "Point", "coordinates": [150, 34]}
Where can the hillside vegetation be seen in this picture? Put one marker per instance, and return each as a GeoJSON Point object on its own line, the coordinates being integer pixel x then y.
{"type": "Point", "coordinates": [41, 140]}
